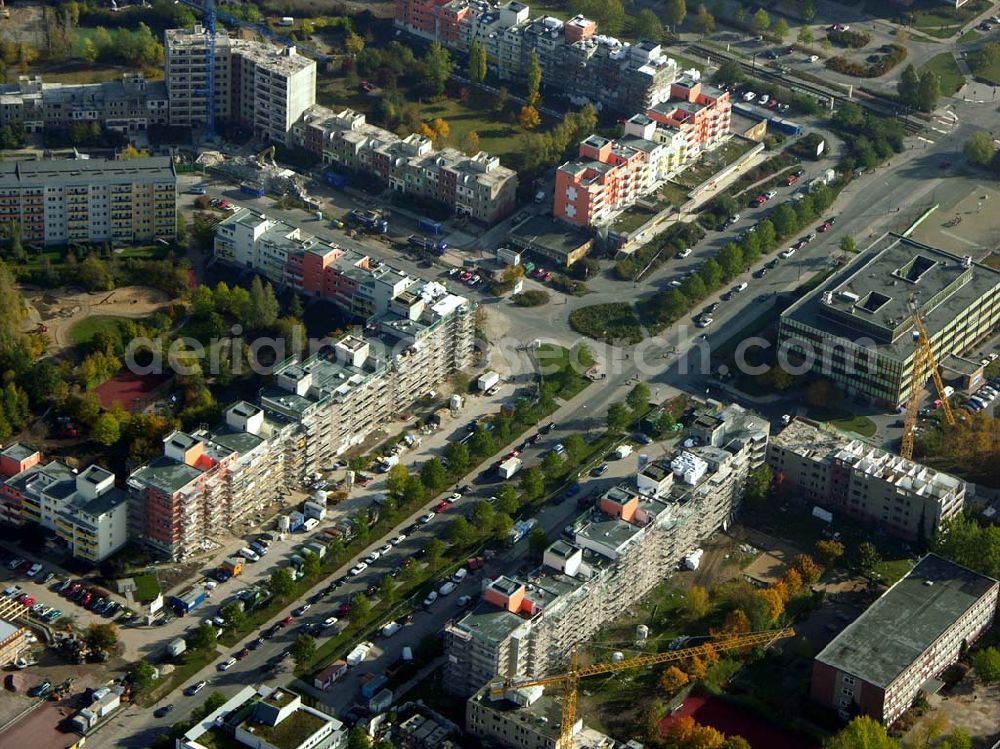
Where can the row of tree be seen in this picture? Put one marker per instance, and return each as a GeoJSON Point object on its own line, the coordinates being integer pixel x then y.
{"type": "Point", "coordinates": [920, 91]}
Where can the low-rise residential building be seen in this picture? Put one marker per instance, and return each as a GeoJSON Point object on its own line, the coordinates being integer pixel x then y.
{"type": "Point", "coordinates": [614, 554]}
{"type": "Point", "coordinates": [266, 718]}
{"type": "Point", "coordinates": [85, 509]}
{"type": "Point", "coordinates": [129, 105]}
{"type": "Point", "coordinates": [14, 459]}
{"type": "Point", "coordinates": [894, 495]}
{"type": "Point", "coordinates": [575, 60]}
{"type": "Point", "coordinates": [55, 202]}
{"type": "Point", "coordinates": [856, 329]}
{"type": "Point", "coordinates": [878, 664]}
{"type": "Point", "coordinates": [476, 186]}
{"type": "Point", "coordinates": [550, 241]}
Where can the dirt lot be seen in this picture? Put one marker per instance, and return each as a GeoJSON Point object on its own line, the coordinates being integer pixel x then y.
{"type": "Point", "coordinates": [60, 309]}
{"type": "Point", "coordinates": [964, 223]}
{"type": "Point", "coordinates": [24, 25]}
{"type": "Point", "coordinates": [970, 705]}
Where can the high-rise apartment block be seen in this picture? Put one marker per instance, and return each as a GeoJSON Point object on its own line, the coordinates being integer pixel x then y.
{"type": "Point", "coordinates": [317, 407]}
{"type": "Point", "coordinates": [129, 105]}
{"type": "Point", "coordinates": [613, 555]}
{"type": "Point", "coordinates": [895, 495]}
{"type": "Point", "coordinates": [611, 175]}
{"type": "Point", "coordinates": [476, 186]}
{"type": "Point", "coordinates": [85, 509]}
{"type": "Point", "coordinates": [575, 60]}
{"type": "Point", "coordinates": [258, 85]}
{"type": "Point", "coordinates": [90, 200]}
{"type": "Point", "coordinates": [881, 661]}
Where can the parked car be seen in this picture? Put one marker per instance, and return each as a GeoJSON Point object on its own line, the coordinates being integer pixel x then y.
{"type": "Point", "coordinates": [195, 688]}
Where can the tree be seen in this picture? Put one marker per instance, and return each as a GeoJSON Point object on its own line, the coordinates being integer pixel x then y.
{"type": "Point", "coordinates": [618, 417]}
{"type": "Point", "coordinates": [672, 679]}
{"type": "Point", "coordinates": [647, 26]}
{"type": "Point", "coordinates": [503, 524]}
{"type": "Point", "coordinates": [929, 91]}
{"type": "Point", "coordinates": [532, 483]}
{"type": "Point", "coordinates": [729, 72]}
{"type": "Point", "coordinates": [986, 663]}
{"type": "Point", "coordinates": [847, 244]}
{"type": "Point", "coordinates": [829, 551]}
{"type": "Point", "coordinates": [736, 623]}
{"type": "Point", "coordinates": [758, 485]}
{"type": "Point", "coordinates": [862, 733]}
{"type": "Point", "coordinates": [760, 21]}
{"type": "Point", "coordinates": [552, 464]}
{"type": "Point", "coordinates": [433, 475]}
{"type": "Point", "coordinates": [264, 307]}
{"type": "Point", "coordinates": [460, 533]}
{"type": "Point", "coordinates": [507, 500]}
{"type": "Point", "coordinates": [477, 62]}
{"type": "Point", "coordinates": [676, 11]}
{"type": "Point", "coordinates": [415, 491]}
{"type": "Point", "coordinates": [805, 36]}
{"type": "Point", "coordinates": [711, 274]}
{"type": "Point", "coordinates": [204, 637]}
{"type": "Point", "coordinates": [576, 448]}
{"type": "Point", "coordinates": [807, 568]}
{"type": "Point", "coordinates": [808, 11]}
{"type": "Point", "coordinates": [482, 517]}
{"type": "Point", "coordinates": [233, 615]}
{"type": "Point", "coordinates": [358, 739]}
{"type": "Point", "coordinates": [433, 552]}
{"type": "Point", "coordinates": [730, 259]}
{"type": "Point", "coordinates": [354, 44]}
{"type": "Point", "coordinates": [281, 582]}
{"type": "Point", "coordinates": [101, 637]}
{"type": "Point", "coordinates": [106, 430]}
{"type": "Point", "coordinates": [638, 397]}
{"type": "Point", "coordinates": [533, 80]}
{"type": "Point", "coordinates": [311, 567]}
{"type": "Point", "coordinates": [774, 601]}
{"type": "Point", "coordinates": [704, 22]}
{"type": "Point", "coordinates": [909, 85]}
{"type": "Point", "coordinates": [482, 444]}
{"type": "Point", "coordinates": [529, 118]}
{"type": "Point", "coordinates": [143, 674]}
{"type": "Point", "coordinates": [959, 738]}
{"type": "Point", "coordinates": [785, 221]}
{"type": "Point", "coordinates": [696, 603]}
{"type": "Point", "coordinates": [436, 67]}
{"type": "Point", "coordinates": [303, 648]}
{"type": "Point", "coordinates": [470, 145]}
{"type": "Point", "coordinates": [396, 480]}
{"type": "Point", "coordinates": [868, 558]}
{"type": "Point", "coordinates": [538, 542]}
{"type": "Point", "coordinates": [88, 52]}
{"type": "Point", "coordinates": [978, 149]}
{"type": "Point", "coordinates": [501, 100]}
{"type": "Point", "coordinates": [780, 29]}
{"type": "Point", "coordinates": [361, 609]}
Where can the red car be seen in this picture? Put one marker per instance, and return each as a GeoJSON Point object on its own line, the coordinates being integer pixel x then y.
{"type": "Point", "coordinates": [242, 654]}
{"type": "Point", "coordinates": [441, 506]}
{"type": "Point", "coordinates": [28, 601]}
{"type": "Point", "coordinates": [285, 622]}
{"type": "Point", "coordinates": [512, 454]}
{"type": "Point", "coordinates": [825, 226]}
{"type": "Point", "coordinates": [772, 104]}
{"type": "Point", "coordinates": [87, 598]}
{"type": "Point", "coordinates": [759, 201]}
{"type": "Point", "coordinates": [539, 272]}
{"type": "Point", "coordinates": [547, 276]}
{"type": "Point", "coordinates": [791, 179]}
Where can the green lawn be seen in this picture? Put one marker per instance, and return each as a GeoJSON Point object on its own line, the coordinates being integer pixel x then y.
{"type": "Point", "coordinates": [969, 36]}
{"type": "Point", "coordinates": [147, 587]}
{"type": "Point", "coordinates": [81, 332]}
{"type": "Point", "coordinates": [947, 70]}
{"type": "Point", "coordinates": [615, 323]}
{"type": "Point", "coordinates": [988, 73]}
{"type": "Point", "coordinates": [633, 218]}
{"type": "Point", "coordinates": [857, 424]}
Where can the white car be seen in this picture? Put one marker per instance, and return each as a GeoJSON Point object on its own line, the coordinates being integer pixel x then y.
{"type": "Point", "coordinates": [813, 58]}
{"type": "Point", "coordinates": [704, 322]}
{"type": "Point", "coordinates": [227, 664]}
{"type": "Point", "coordinates": [771, 193]}
{"type": "Point", "coordinates": [749, 96]}
{"type": "Point", "coordinates": [686, 252]}
{"type": "Point", "coordinates": [787, 253]}
{"type": "Point", "coordinates": [385, 549]}
{"type": "Point", "coordinates": [431, 598]}
{"type": "Point", "coordinates": [446, 589]}
{"type": "Point", "coordinates": [330, 621]}
{"type": "Point", "coordinates": [454, 498]}
{"type": "Point", "coordinates": [372, 557]}
{"type": "Point", "coordinates": [398, 539]}
{"type": "Point", "coordinates": [426, 518]}
{"type": "Point", "coordinates": [358, 569]}
{"type": "Point", "coordinates": [740, 287]}
{"type": "Point", "coordinates": [34, 569]}
{"type": "Point", "coordinates": [249, 554]}
{"type": "Point", "coordinates": [764, 99]}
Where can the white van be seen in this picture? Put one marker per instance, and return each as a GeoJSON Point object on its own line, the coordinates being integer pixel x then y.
{"type": "Point", "coordinates": [446, 589]}
{"type": "Point", "coordinates": [309, 524]}
{"type": "Point", "coordinates": [460, 575]}
{"type": "Point", "coordinates": [249, 554]}
{"type": "Point", "coordinates": [391, 628]}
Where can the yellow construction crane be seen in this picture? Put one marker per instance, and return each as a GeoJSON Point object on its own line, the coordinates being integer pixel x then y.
{"type": "Point", "coordinates": [923, 360]}
{"type": "Point", "coordinates": [568, 680]}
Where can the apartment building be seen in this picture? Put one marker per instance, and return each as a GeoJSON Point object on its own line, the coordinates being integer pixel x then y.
{"type": "Point", "coordinates": [258, 85]}
{"type": "Point", "coordinates": [14, 459]}
{"type": "Point", "coordinates": [894, 495]}
{"type": "Point", "coordinates": [878, 664]}
{"type": "Point", "coordinates": [57, 202]}
{"type": "Point", "coordinates": [476, 186]}
{"type": "Point", "coordinates": [266, 718]}
{"type": "Point", "coordinates": [575, 60]}
{"type": "Point", "coordinates": [129, 105]}
{"type": "Point", "coordinates": [530, 719]}
{"type": "Point", "coordinates": [856, 329]}
{"type": "Point", "coordinates": [612, 555]}
{"type": "Point", "coordinates": [699, 114]}
{"type": "Point", "coordinates": [85, 509]}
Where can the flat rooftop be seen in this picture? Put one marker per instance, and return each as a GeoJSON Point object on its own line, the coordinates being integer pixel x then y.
{"type": "Point", "coordinates": [549, 235]}
{"type": "Point", "coordinates": [50, 172]}
{"type": "Point", "coordinates": [489, 623]}
{"type": "Point", "coordinates": [870, 297]}
{"type": "Point", "coordinates": [910, 617]}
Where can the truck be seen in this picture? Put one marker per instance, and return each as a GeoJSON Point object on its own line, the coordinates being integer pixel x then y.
{"type": "Point", "coordinates": [487, 380]}
{"type": "Point", "coordinates": [314, 510]}
{"type": "Point", "coordinates": [437, 246]}
{"type": "Point", "coordinates": [335, 180]}
{"type": "Point", "coordinates": [295, 521]}
{"type": "Point", "coordinates": [429, 226]}
{"type": "Point", "coordinates": [176, 646]}
{"type": "Point", "coordinates": [233, 565]}
{"type": "Point", "coordinates": [388, 462]}
{"type": "Point", "coordinates": [509, 467]}
{"type": "Point", "coordinates": [521, 529]}
{"type": "Point", "coordinates": [623, 451]}
{"type": "Point", "coordinates": [252, 189]}
{"type": "Point", "coordinates": [370, 688]}
{"type": "Point", "coordinates": [369, 221]}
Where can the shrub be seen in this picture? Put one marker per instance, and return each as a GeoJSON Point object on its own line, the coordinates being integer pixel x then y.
{"type": "Point", "coordinates": [531, 298]}
{"type": "Point", "coordinates": [852, 39]}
